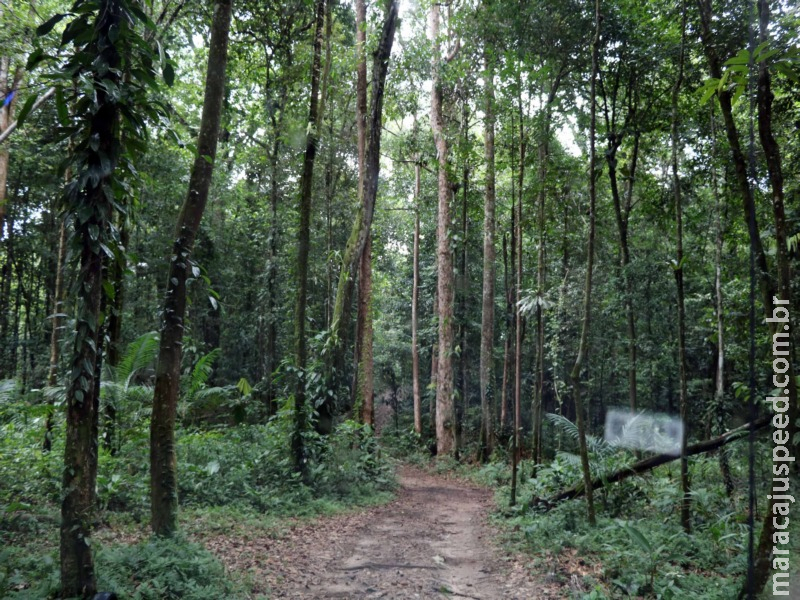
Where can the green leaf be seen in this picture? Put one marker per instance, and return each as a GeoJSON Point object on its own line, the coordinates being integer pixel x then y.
{"type": "Point", "coordinates": [26, 108]}
{"type": "Point", "coordinates": [208, 159]}
{"type": "Point", "coordinates": [169, 74]}
{"type": "Point", "coordinates": [638, 537]}
{"type": "Point", "coordinates": [48, 25]}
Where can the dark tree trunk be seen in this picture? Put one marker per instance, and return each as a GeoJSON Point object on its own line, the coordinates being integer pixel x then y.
{"type": "Point", "coordinates": [163, 459]}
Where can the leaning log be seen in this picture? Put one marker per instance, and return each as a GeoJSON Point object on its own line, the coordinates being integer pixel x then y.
{"type": "Point", "coordinates": [648, 464]}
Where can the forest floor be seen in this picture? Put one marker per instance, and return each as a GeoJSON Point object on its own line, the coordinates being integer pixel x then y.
{"type": "Point", "coordinates": [432, 541]}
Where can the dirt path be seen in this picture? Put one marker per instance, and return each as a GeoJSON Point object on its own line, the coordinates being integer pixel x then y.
{"type": "Point", "coordinates": [432, 542]}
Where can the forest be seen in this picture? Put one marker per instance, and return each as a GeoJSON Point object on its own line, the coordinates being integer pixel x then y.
{"type": "Point", "coordinates": [399, 299]}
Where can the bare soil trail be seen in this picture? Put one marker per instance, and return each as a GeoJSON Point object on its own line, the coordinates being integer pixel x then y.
{"type": "Point", "coordinates": [432, 542]}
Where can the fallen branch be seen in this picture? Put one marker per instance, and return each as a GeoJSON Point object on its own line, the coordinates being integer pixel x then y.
{"type": "Point", "coordinates": [648, 464]}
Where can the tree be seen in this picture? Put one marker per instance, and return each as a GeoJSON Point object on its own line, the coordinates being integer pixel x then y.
{"type": "Point", "coordinates": [487, 299]}
{"type": "Point", "coordinates": [587, 290]}
{"type": "Point", "coordinates": [445, 409]}
{"type": "Point", "coordinates": [163, 460]}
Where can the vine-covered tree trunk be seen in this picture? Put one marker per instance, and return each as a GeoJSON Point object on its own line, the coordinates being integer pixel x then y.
{"type": "Point", "coordinates": [90, 212]}
{"type": "Point", "coordinates": [163, 459]}
{"type": "Point", "coordinates": [580, 417]}
{"type": "Point", "coordinates": [445, 417]}
{"type": "Point", "coordinates": [486, 372]}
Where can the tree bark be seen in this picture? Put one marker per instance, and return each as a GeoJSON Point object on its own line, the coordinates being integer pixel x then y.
{"type": "Point", "coordinates": [445, 417]}
{"type": "Point", "coordinates": [486, 372]}
{"type": "Point", "coordinates": [163, 459]}
{"type": "Point", "coordinates": [587, 298]}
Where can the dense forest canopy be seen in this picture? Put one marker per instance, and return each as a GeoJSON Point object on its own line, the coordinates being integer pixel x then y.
{"type": "Point", "coordinates": [239, 238]}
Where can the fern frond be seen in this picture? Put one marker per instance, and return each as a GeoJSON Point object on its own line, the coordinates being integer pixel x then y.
{"type": "Point", "coordinates": [202, 371]}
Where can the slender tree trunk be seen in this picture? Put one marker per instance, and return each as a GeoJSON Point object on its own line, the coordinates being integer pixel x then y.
{"type": "Point", "coordinates": [580, 417]}
{"type": "Point", "coordinates": [486, 373]}
{"type": "Point", "coordinates": [55, 333]}
{"type": "Point", "coordinates": [518, 326]}
{"type": "Point", "coordinates": [163, 459]}
{"type": "Point", "coordinates": [445, 417]}
{"type": "Point", "coordinates": [544, 157]}
{"type": "Point", "coordinates": [117, 269]}
{"type": "Point", "coordinates": [678, 268]}
{"type": "Point", "coordinates": [414, 308]}
{"type": "Point", "coordinates": [719, 380]}
{"type": "Point", "coordinates": [509, 333]}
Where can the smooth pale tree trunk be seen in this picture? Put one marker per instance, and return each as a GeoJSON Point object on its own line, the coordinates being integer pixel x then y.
{"type": "Point", "coordinates": [163, 459]}
{"type": "Point", "coordinates": [414, 309]}
{"type": "Point", "coordinates": [445, 417]}
{"type": "Point", "coordinates": [678, 270]}
{"type": "Point", "coordinates": [486, 369]}
{"type": "Point", "coordinates": [82, 398]}
{"type": "Point", "coordinates": [583, 348]}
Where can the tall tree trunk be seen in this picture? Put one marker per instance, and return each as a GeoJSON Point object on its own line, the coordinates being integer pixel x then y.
{"type": "Point", "coordinates": [445, 416]}
{"type": "Point", "coordinates": [678, 269]}
{"type": "Point", "coordinates": [368, 191]}
{"type": "Point", "coordinates": [719, 380]}
{"type": "Point", "coordinates": [163, 459]}
{"type": "Point", "coordinates": [580, 416]}
{"type": "Point", "coordinates": [301, 408]}
{"type": "Point", "coordinates": [544, 157]}
{"type": "Point", "coordinates": [415, 307]}
{"type": "Point", "coordinates": [764, 98]}
{"type": "Point", "coordinates": [486, 373]}
{"type": "Point", "coordinates": [92, 230]}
